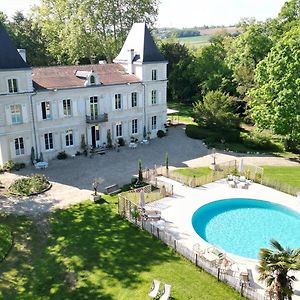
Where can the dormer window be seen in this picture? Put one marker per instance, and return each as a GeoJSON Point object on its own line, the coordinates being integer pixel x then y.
{"type": "Point", "coordinates": [92, 79]}
{"type": "Point", "coordinates": [12, 85]}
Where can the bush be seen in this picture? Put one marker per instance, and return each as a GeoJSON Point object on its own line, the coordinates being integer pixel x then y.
{"type": "Point", "coordinates": [19, 166]}
{"type": "Point", "coordinates": [62, 155]}
{"type": "Point", "coordinates": [8, 165]}
{"type": "Point", "coordinates": [260, 142]}
{"type": "Point", "coordinates": [160, 133]}
{"type": "Point", "coordinates": [36, 183]}
{"type": "Point", "coordinates": [121, 141]}
{"type": "Point", "coordinates": [292, 146]}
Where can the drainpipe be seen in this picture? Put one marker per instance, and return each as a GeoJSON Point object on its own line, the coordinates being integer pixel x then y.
{"type": "Point", "coordinates": [33, 124]}
{"type": "Point", "coordinates": [144, 96]}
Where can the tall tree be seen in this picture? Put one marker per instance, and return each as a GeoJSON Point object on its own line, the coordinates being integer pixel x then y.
{"type": "Point", "coordinates": [276, 95]}
{"type": "Point", "coordinates": [274, 267]}
{"type": "Point", "coordinates": [90, 29]}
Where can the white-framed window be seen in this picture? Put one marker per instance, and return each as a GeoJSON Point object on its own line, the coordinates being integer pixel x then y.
{"type": "Point", "coordinates": [134, 99]}
{"type": "Point", "coordinates": [69, 138]}
{"type": "Point", "coordinates": [134, 126]}
{"type": "Point", "coordinates": [118, 101]}
{"type": "Point", "coordinates": [16, 114]}
{"type": "Point", "coordinates": [154, 74]}
{"type": "Point", "coordinates": [154, 97]}
{"type": "Point", "coordinates": [48, 137]}
{"type": "Point", "coordinates": [19, 146]}
{"type": "Point", "coordinates": [154, 123]}
{"type": "Point", "coordinates": [67, 107]}
{"type": "Point", "coordinates": [46, 110]}
{"type": "Point", "coordinates": [118, 129]}
{"type": "Point", "coordinates": [94, 107]}
{"type": "Point", "coordinates": [12, 85]}
{"type": "Point", "coordinates": [92, 79]}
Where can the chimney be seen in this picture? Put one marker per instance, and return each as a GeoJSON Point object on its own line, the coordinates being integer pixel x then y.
{"type": "Point", "coordinates": [130, 59]}
{"type": "Point", "coordinates": [22, 52]}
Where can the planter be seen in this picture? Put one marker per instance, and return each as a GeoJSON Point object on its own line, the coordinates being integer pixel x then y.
{"type": "Point", "coordinates": [94, 197]}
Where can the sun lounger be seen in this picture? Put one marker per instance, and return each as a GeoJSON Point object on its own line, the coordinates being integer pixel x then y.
{"type": "Point", "coordinates": [213, 255]}
{"type": "Point", "coordinates": [244, 274]}
{"type": "Point", "coordinates": [152, 214]}
{"type": "Point", "coordinates": [154, 289]}
{"type": "Point", "coordinates": [166, 293]}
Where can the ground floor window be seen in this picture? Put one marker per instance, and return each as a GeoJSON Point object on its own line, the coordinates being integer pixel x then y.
{"type": "Point", "coordinates": [19, 146]}
{"type": "Point", "coordinates": [119, 129]}
{"type": "Point", "coordinates": [154, 123]}
{"type": "Point", "coordinates": [69, 137]}
{"type": "Point", "coordinates": [134, 128]}
{"type": "Point", "coordinates": [48, 141]}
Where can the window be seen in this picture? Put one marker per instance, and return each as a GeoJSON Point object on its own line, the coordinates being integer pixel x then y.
{"type": "Point", "coordinates": [48, 141]}
{"type": "Point", "coordinates": [12, 85]}
{"type": "Point", "coordinates": [154, 97]}
{"type": "Point", "coordinates": [16, 114]}
{"type": "Point", "coordinates": [94, 107]}
{"type": "Point", "coordinates": [69, 137]}
{"type": "Point", "coordinates": [119, 129]}
{"type": "Point", "coordinates": [134, 99]}
{"type": "Point", "coordinates": [134, 128]}
{"type": "Point", "coordinates": [19, 146]}
{"type": "Point", "coordinates": [67, 108]}
{"type": "Point", "coordinates": [46, 112]}
{"type": "Point", "coordinates": [92, 79]}
{"type": "Point", "coordinates": [154, 74]}
{"type": "Point", "coordinates": [153, 123]}
{"type": "Point", "coordinates": [117, 101]}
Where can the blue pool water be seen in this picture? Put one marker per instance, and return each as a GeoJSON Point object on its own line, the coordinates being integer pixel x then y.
{"type": "Point", "coordinates": [243, 226]}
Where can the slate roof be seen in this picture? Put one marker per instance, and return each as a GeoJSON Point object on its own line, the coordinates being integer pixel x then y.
{"type": "Point", "coordinates": [65, 76]}
{"type": "Point", "coordinates": [140, 40]}
{"type": "Point", "coordinates": [9, 55]}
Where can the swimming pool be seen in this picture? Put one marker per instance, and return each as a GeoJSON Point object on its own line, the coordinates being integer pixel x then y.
{"type": "Point", "coordinates": [242, 226]}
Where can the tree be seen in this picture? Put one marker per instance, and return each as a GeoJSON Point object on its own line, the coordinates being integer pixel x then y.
{"type": "Point", "coordinates": [275, 266]}
{"type": "Point", "coordinates": [275, 100]}
{"type": "Point", "coordinates": [181, 85]}
{"type": "Point", "coordinates": [86, 30]}
{"type": "Point", "coordinates": [140, 170]}
{"type": "Point", "coordinates": [216, 110]}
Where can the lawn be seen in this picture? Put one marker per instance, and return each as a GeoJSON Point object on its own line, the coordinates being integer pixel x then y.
{"type": "Point", "coordinates": [88, 252]}
{"type": "Point", "coordinates": [288, 175]}
{"type": "Point", "coordinates": [185, 112]}
{"type": "Point", "coordinates": [195, 41]}
{"type": "Point", "coordinates": [197, 172]}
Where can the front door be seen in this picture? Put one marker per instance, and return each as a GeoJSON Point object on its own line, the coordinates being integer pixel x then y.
{"type": "Point", "coordinates": [95, 136]}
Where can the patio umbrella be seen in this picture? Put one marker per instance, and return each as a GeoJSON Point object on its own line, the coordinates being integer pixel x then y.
{"type": "Point", "coordinates": [142, 199]}
{"type": "Point", "coordinates": [241, 166]}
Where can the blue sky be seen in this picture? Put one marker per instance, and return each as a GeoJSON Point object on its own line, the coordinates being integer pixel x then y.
{"type": "Point", "coordinates": [190, 13]}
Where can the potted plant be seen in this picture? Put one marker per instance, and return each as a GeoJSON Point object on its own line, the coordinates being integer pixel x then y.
{"type": "Point", "coordinates": [95, 184]}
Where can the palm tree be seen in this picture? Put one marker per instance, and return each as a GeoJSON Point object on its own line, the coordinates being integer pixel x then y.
{"type": "Point", "coordinates": [274, 267]}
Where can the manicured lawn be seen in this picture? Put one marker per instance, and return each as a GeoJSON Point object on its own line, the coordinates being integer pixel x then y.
{"type": "Point", "coordinates": [185, 112]}
{"type": "Point", "coordinates": [288, 175]}
{"type": "Point", "coordinates": [5, 240]}
{"type": "Point", "coordinates": [197, 172]}
{"type": "Point", "coordinates": [195, 41]}
{"type": "Point", "coordinates": [108, 257]}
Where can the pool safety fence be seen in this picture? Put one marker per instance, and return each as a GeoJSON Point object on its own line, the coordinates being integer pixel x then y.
{"type": "Point", "coordinates": [130, 211]}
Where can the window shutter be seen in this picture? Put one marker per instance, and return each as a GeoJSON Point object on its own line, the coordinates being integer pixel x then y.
{"type": "Point", "coordinates": [60, 109]}
{"type": "Point", "coordinates": [74, 108]}
{"type": "Point", "coordinates": [8, 114]}
{"type": "Point", "coordinates": [25, 116]}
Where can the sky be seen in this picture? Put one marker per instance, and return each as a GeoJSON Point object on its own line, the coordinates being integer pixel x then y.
{"type": "Point", "coordinates": [189, 13]}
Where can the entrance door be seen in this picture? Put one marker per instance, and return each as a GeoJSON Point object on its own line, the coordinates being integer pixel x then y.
{"type": "Point", "coordinates": [95, 136]}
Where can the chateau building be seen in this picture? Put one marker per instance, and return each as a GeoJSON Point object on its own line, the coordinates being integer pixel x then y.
{"type": "Point", "coordinates": [51, 109]}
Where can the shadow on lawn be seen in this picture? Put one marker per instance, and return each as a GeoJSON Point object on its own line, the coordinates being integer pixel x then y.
{"type": "Point", "coordinates": [89, 241]}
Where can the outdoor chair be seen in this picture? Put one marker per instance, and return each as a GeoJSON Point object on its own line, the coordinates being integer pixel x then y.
{"type": "Point", "coordinates": [166, 293]}
{"type": "Point", "coordinates": [154, 289]}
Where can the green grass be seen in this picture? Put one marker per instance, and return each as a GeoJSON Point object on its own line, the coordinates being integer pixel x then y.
{"type": "Point", "coordinates": [5, 240]}
{"type": "Point", "coordinates": [185, 112]}
{"type": "Point", "coordinates": [195, 41]}
{"type": "Point", "coordinates": [191, 172]}
{"type": "Point", "coordinates": [287, 175]}
{"type": "Point", "coordinates": [111, 259]}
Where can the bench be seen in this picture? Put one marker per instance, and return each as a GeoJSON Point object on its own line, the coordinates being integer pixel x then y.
{"type": "Point", "coordinates": [112, 189]}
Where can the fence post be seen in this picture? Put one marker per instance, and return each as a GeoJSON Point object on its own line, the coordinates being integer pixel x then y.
{"type": "Point", "coordinates": [175, 245]}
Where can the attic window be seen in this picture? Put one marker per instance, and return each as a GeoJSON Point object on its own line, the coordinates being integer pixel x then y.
{"type": "Point", "coordinates": [92, 79]}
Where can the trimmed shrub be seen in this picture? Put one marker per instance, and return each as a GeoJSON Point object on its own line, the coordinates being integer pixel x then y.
{"type": "Point", "coordinates": [260, 142]}
{"type": "Point", "coordinates": [8, 165]}
{"type": "Point", "coordinates": [62, 155]}
{"type": "Point", "coordinates": [121, 142]}
{"type": "Point", "coordinates": [160, 133]}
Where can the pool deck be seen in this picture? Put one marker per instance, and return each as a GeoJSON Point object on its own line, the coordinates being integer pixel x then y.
{"type": "Point", "coordinates": [177, 211]}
